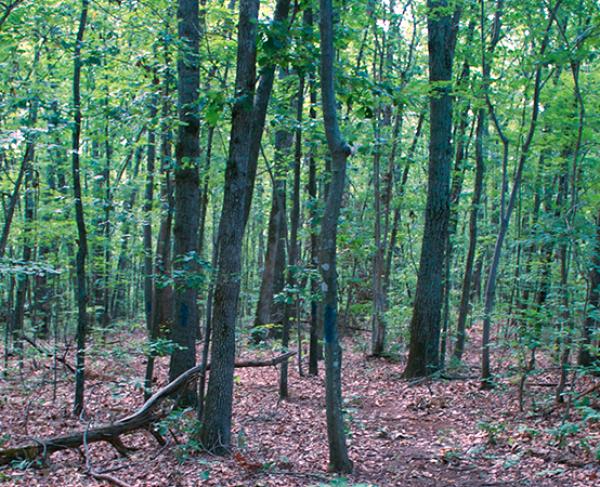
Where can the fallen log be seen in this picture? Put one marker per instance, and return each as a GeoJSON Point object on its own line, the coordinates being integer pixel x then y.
{"type": "Point", "coordinates": [143, 418]}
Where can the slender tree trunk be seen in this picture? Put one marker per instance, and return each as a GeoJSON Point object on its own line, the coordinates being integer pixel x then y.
{"type": "Point", "coordinates": [14, 197]}
{"type": "Point", "coordinates": [378, 323]}
{"type": "Point", "coordinates": [118, 308]}
{"type": "Point", "coordinates": [586, 358]}
{"type": "Point", "coordinates": [148, 203]}
{"type": "Point", "coordinates": [106, 226]}
{"type": "Point", "coordinates": [463, 310]}
{"type": "Point", "coordinates": [316, 333]}
{"type": "Point", "coordinates": [490, 289]}
{"type": "Point", "coordinates": [339, 150]}
{"type": "Point", "coordinates": [82, 296]}
{"type": "Point", "coordinates": [391, 247]}
{"type": "Point", "coordinates": [261, 102]}
{"type": "Point", "coordinates": [22, 279]}
{"type": "Point", "coordinates": [283, 143]}
{"type": "Point", "coordinates": [265, 306]}
{"type": "Point", "coordinates": [162, 297]}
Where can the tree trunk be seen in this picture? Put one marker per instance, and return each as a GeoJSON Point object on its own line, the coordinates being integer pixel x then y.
{"type": "Point", "coordinates": [586, 358]}
{"type": "Point", "coordinates": [148, 203]}
{"type": "Point", "coordinates": [79, 218]}
{"type": "Point", "coordinates": [216, 425]}
{"type": "Point", "coordinates": [22, 279]}
{"type": "Point", "coordinates": [463, 310]}
{"type": "Point", "coordinates": [490, 289]}
{"type": "Point", "coordinates": [265, 306]}
{"type": "Point", "coordinates": [339, 150]}
{"type": "Point", "coordinates": [185, 231]}
{"type": "Point", "coordinates": [118, 307]}
{"type": "Point", "coordinates": [162, 297]}
{"type": "Point", "coordinates": [316, 332]}
{"type": "Point", "coordinates": [378, 324]}
{"type": "Point", "coordinates": [423, 358]}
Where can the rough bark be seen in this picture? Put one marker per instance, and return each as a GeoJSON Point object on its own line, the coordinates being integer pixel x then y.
{"type": "Point", "coordinates": [339, 151]}
{"type": "Point", "coordinates": [216, 426]}
{"type": "Point", "coordinates": [423, 358]}
{"type": "Point", "coordinates": [185, 230]}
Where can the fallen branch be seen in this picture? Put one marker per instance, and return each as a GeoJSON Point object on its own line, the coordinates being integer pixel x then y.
{"type": "Point", "coordinates": [92, 472]}
{"type": "Point", "coordinates": [555, 406]}
{"type": "Point", "coordinates": [49, 354]}
{"type": "Point", "coordinates": [143, 418]}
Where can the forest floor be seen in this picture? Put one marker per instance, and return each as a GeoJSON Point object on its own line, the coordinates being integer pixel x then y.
{"type": "Point", "coordinates": [436, 433]}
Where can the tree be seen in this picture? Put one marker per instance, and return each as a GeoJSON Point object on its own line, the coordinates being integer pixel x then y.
{"type": "Point", "coordinates": [79, 217]}
{"type": "Point", "coordinates": [339, 150]}
{"type": "Point", "coordinates": [216, 425]}
{"type": "Point", "coordinates": [423, 358]}
{"type": "Point", "coordinates": [185, 229]}
{"type": "Point", "coordinates": [492, 277]}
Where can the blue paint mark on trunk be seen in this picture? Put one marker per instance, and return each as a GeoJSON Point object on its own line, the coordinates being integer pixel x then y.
{"type": "Point", "coordinates": [183, 315]}
{"type": "Point", "coordinates": [330, 323]}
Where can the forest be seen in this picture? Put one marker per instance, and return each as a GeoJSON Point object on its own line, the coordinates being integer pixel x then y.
{"type": "Point", "coordinates": [300, 243]}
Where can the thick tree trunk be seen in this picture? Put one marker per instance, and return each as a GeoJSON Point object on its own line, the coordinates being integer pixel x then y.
{"type": "Point", "coordinates": [82, 296]}
{"type": "Point", "coordinates": [423, 358]}
{"type": "Point", "coordinates": [339, 150]}
{"type": "Point", "coordinates": [216, 425]}
{"type": "Point", "coordinates": [183, 331]}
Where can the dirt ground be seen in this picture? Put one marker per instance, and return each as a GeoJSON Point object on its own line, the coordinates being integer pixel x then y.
{"type": "Point", "coordinates": [436, 433]}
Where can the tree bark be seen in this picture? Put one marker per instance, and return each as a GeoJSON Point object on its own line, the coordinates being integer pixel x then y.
{"type": "Point", "coordinates": [339, 151]}
{"type": "Point", "coordinates": [82, 296]}
{"type": "Point", "coordinates": [216, 425]}
{"type": "Point", "coordinates": [185, 231]}
{"type": "Point", "coordinates": [586, 358]}
{"type": "Point", "coordinates": [423, 358]}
